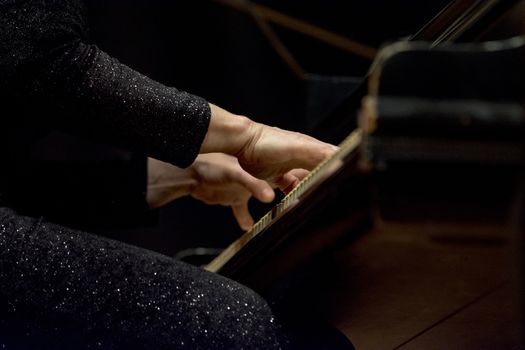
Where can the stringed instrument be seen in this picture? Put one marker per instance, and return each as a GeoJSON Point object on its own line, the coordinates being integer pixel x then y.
{"type": "Point", "coordinates": [305, 222]}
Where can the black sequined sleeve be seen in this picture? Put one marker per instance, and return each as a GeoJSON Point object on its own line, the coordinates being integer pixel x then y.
{"type": "Point", "coordinates": [45, 62]}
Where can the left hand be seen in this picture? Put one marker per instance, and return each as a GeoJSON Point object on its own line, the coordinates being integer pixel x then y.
{"type": "Point", "coordinates": [221, 180]}
{"type": "Point", "coordinates": [213, 178]}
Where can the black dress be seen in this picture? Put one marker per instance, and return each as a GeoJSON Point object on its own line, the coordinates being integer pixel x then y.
{"type": "Point", "coordinates": [66, 289]}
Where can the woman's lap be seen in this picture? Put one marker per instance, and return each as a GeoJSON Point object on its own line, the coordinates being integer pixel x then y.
{"type": "Point", "coordinates": [64, 288]}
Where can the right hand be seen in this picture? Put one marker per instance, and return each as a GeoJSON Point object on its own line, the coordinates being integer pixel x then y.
{"type": "Point", "coordinates": [277, 156]}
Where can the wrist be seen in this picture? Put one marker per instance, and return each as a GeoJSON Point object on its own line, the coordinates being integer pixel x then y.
{"type": "Point", "coordinates": [227, 133]}
{"type": "Point", "coordinates": [167, 182]}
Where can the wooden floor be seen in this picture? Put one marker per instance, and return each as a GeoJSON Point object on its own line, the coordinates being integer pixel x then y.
{"type": "Point", "coordinates": [408, 286]}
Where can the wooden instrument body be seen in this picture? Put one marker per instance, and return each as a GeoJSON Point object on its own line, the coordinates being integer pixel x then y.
{"type": "Point", "coordinates": [433, 271]}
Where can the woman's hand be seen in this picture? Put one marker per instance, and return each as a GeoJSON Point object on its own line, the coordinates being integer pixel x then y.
{"type": "Point", "coordinates": [221, 180]}
{"type": "Point", "coordinates": [278, 156]}
{"type": "Point", "coordinates": [213, 178]}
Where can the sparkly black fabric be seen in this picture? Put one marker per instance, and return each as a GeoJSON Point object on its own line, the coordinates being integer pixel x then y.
{"type": "Point", "coordinates": [65, 289]}
{"type": "Point", "coordinates": [50, 74]}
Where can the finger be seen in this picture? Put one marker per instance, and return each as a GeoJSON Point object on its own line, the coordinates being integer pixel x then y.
{"type": "Point", "coordinates": [287, 182]}
{"type": "Point", "coordinates": [299, 173]}
{"type": "Point", "coordinates": [260, 189]}
{"type": "Point", "coordinates": [310, 152]}
{"type": "Point", "coordinates": [242, 215]}
{"type": "Point", "coordinates": [291, 179]}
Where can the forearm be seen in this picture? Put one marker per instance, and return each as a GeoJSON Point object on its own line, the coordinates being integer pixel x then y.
{"type": "Point", "coordinates": [104, 99]}
{"type": "Point", "coordinates": [52, 76]}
